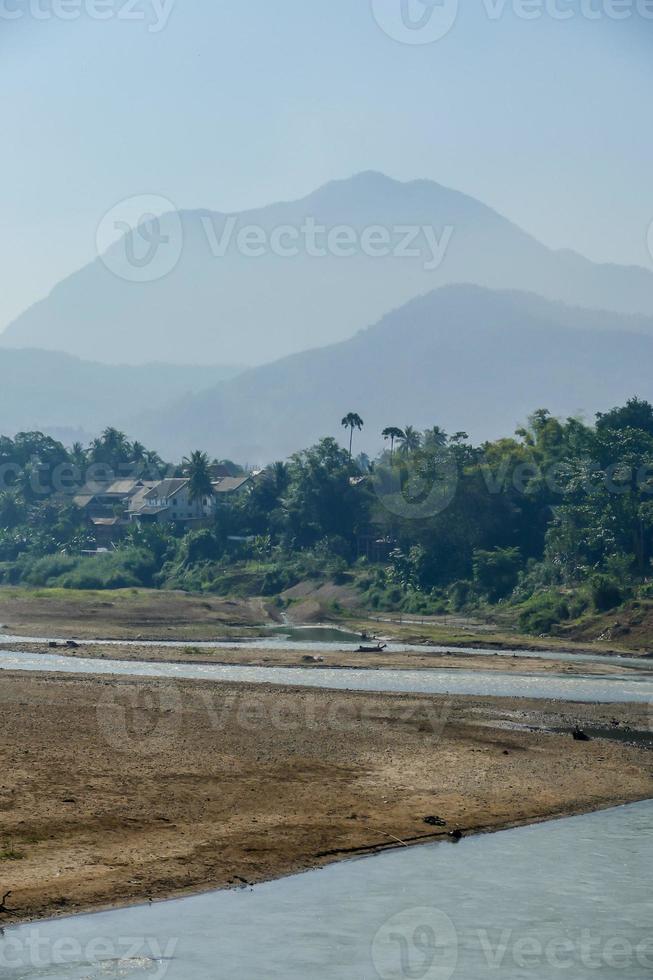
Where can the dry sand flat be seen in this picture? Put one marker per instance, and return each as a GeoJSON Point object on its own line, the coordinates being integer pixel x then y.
{"type": "Point", "coordinates": [114, 790]}
{"type": "Point", "coordinates": [127, 613]}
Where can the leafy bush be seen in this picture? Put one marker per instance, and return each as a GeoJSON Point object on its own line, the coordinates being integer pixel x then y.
{"type": "Point", "coordinates": [122, 569]}
{"type": "Point", "coordinates": [542, 612]}
{"type": "Point", "coordinates": [496, 572]}
{"type": "Point", "coordinates": [606, 593]}
{"type": "Point", "coordinates": [460, 594]}
{"type": "Point", "coordinates": [47, 571]}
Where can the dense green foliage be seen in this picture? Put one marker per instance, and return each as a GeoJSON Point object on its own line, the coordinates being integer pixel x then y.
{"type": "Point", "coordinates": [556, 521]}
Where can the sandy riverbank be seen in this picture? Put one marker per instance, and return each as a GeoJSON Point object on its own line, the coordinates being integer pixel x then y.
{"type": "Point", "coordinates": [160, 615]}
{"type": "Point", "coordinates": [116, 790]}
{"type": "Point", "coordinates": [252, 656]}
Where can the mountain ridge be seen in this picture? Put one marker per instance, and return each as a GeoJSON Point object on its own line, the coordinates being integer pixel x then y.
{"type": "Point", "coordinates": [462, 357]}
{"type": "Point", "coordinates": [237, 308]}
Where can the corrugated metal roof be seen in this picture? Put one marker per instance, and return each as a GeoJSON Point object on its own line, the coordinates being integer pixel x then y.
{"type": "Point", "coordinates": [151, 509]}
{"type": "Point", "coordinates": [165, 489]}
{"type": "Point", "coordinates": [229, 484]}
{"type": "Point", "coordinates": [83, 499]}
{"type": "Point", "coordinates": [122, 488]}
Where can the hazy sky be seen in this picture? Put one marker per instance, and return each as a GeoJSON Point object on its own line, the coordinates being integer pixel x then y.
{"type": "Point", "coordinates": [235, 103]}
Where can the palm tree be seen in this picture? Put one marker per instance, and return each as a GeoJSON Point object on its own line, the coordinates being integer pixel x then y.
{"type": "Point", "coordinates": [112, 448]}
{"type": "Point", "coordinates": [411, 441]}
{"type": "Point", "coordinates": [116, 444]}
{"type": "Point", "coordinates": [436, 437]}
{"type": "Point", "coordinates": [199, 476]}
{"type": "Point", "coordinates": [138, 452]}
{"type": "Point", "coordinates": [153, 462]}
{"type": "Point", "coordinates": [78, 457]}
{"type": "Point", "coordinates": [393, 433]}
{"type": "Point", "coordinates": [352, 421]}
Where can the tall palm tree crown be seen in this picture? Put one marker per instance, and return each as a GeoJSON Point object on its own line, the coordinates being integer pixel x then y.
{"type": "Point", "coordinates": [393, 434]}
{"type": "Point", "coordinates": [352, 421]}
{"type": "Point", "coordinates": [410, 441]}
{"type": "Point", "coordinates": [199, 476]}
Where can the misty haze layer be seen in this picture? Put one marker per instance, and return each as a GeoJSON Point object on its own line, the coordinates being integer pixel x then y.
{"type": "Point", "coordinates": [231, 300]}
{"type": "Point", "coordinates": [461, 357]}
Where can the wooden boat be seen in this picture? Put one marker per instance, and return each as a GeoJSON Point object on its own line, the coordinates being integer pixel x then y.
{"type": "Point", "coordinates": [379, 648]}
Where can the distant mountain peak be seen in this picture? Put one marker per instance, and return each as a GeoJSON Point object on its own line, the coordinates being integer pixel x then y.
{"type": "Point", "coordinates": [227, 304]}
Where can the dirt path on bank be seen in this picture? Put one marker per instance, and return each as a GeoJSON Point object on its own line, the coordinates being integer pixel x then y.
{"type": "Point", "coordinates": [119, 790]}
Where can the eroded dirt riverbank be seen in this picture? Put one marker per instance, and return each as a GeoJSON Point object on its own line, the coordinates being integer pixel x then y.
{"type": "Point", "coordinates": [117, 790]}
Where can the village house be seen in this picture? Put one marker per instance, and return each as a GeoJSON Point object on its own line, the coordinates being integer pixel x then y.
{"type": "Point", "coordinates": [110, 499]}
{"type": "Point", "coordinates": [170, 500]}
{"type": "Point", "coordinates": [111, 507]}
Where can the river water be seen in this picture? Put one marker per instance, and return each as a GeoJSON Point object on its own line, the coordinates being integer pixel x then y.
{"type": "Point", "coordinates": [325, 639]}
{"type": "Point", "coordinates": [569, 899]}
{"type": "Point", "coordinates": [634, 687]}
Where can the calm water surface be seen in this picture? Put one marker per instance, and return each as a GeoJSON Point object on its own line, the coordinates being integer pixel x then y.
{"type": "Point", "coordinates": [635, 687]}
{"type": "Point", "coordinates": [569, 899]}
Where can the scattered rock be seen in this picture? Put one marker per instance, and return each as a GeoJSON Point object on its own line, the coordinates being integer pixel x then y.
{"type": "Point", "coordinates": [456, 835]}
{"type": "Point", "coordinates": [580, 736]}
{"type": "Point", "coordinates": [435, 822]}
{"type": "Point", "coordinates": [72, 645]}
{"type": "Point", "coordinates": [53, 644]}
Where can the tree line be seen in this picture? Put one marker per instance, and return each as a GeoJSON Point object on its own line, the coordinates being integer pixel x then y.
{"type": "Point", "coordinates": [560, 508]}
